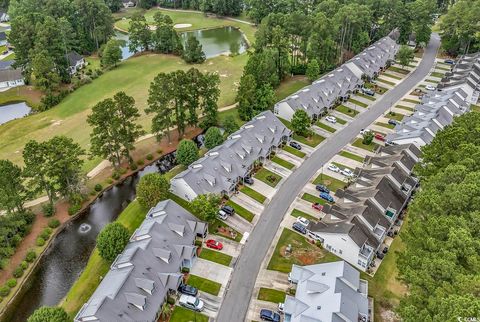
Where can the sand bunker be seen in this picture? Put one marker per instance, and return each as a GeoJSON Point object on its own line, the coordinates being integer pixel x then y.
{"type": "Point", "coordinates": [182, 25]}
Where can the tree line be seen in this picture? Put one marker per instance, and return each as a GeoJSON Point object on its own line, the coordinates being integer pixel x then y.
{"type": "Point", "coordinates": [220, 7]}
{"type": "Point", "coordinates": [442, 257]}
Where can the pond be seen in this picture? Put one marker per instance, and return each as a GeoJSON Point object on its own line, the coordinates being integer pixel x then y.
{"type": "Point", "coordinates": [13, 111]}
{"type": "Point", "coordinates": [214, 42]}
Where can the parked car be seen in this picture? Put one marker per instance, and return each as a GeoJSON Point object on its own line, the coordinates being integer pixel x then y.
{"type": "Point", "coordinates": [191, 302]}
{"type": "Point", "coordinates": [295, 145]}
{"type": "Point", "coordinates": [430, 88]}
{"type": "Point", "coordinates": [393, 122]}
{"type": "Point", "coordinates": [248, 180]}
{"type": "Point", "coordinates": [188, 290]}
{"type": "Point", "coordinates": [331, 119]}
{"type": "Point", "coordinates": [347, 172]}
{"type": "Point", "coordinates": [322, 188]}
{"type": "Point", "coordinates": [269, 315]}
{"type": "Point", "coordinates": [326, 197]}
{"type": "Point", "coordinates": [449, 61]}
{"type": "Point", "coordinates": [380, 255]}
{"type": "Point", "coordinates": [368, 91]}
{"type": "Point", "coordinates": [229, 210]}
{"type": "Point", "coordinates": [281, 308]}
{"type": "Point", "coordinates": [299, 227]}
{"type": "Point", "coordinates": [211, 243]}
{"type": "Point", "coordinates": [385, 250]}
{"type": "Point", "coordinates": [5, 52]}
{"type": "Point", "coordinates": [364, 131]}
{"type": "Point", "coordinates": [333, 167]}
{"type": "Point", "coordinates": [317, 206]}
{"type": "Point", "coordinates": [222, 215]}
{"type": "Point", "coordinates": [304, 221]}
{"type": "Point", "coordinates": [379, 136]}
{"type": "Point", "coordinates": [388, 143]}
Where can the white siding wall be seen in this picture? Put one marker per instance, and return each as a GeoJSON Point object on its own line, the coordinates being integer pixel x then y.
{"type": "Point", "coordinates": [284, 111]}
{"type": "Point", "coordinates": [180, 188]}
{"type": "Point", "coordinates": [415, 140]}
{"type": "Point", "coordinates": [342, 246]}
{"type": "Point", "coordinates": [18, 82]}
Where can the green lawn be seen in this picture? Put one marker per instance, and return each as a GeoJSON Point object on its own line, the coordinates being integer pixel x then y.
{"type": "Point", "coordinates": [359, 144]}
{"type": "Point", "coordinates": [388, 126]}
{"type": "Point", "coordinates": [312, 140]}
{"type": "Point", "coordinates": [242, 212]}
{"type": "Point", "coordinates": [346, 110]}
{"type": "Point", "coordinates": [368, 97]}
{"type": "Point", "coordinates": [271, 295]}
{"type": "Point", "coordinates": [132, 76]}
{"type": "Point", "coordinates": [406, 108]}
{"type": "Point", "coordinates": [253, 194]}
{"type": "Point", "coordinates": [303, 253]}
{"type": "Point", "coordinates": [325, 127]}
{"type": "Point", "coordinates": [396, 116]}
{"type": "Point", "coordinates": [9, 57]}
{"type": "Point", "coordinates": [443, 68]}
{"type": "Point", "coordinates": [198, 20]}
{"type": "Point", "coordinates": [283, 163]}
{"type": "Point", "coordinates": [341, 121]}
{"type": "Point", "coordinates": [381, 80]}
{"type": "Point", "coordinates": [214, 256]}
{"type": "Point", "coordinates": [475, 108]}
{"type": "Point", "coordinates": [432, 81]}
{"type": "Point", "coordinates": [267, 176]}
{"type": "Point", "coordinates": [297, 213]}
{"type": "Point", "coordinates": [411, 101]}
{"type": "Point", "coordinates": [293, 151]}
{"type": "Point", "coordinates": [392, 76]}
{"type": "Point", "coordinates": [204, 285]}
{"type": "Point", "coordinates": [399, 70]}
{"type": "Point", "coordinates": [181, 314]}
{"type": "Point", "coordinates": [290, 85]}
{"type": "Point", "coordinates": [313, 199]}
{"type": "Point", "coordinates": [354, 101]}
{"type": "Point", "coordinates": [352, 156]}
{"type": "Point", "coordinates": [437, 74]}
{"type": "Point", "coordinates": [332, 183]}
{"type": "Point", "coordinates": [286, 123]}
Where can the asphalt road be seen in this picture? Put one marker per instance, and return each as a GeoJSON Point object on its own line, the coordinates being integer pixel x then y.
{"type": "Point", "coordinates": [237, 298]}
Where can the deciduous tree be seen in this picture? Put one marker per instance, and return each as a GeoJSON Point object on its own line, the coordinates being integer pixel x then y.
{"type": "Point", "coordinates": [206, 206]}
{"type": "Point", "coordinates": [187, 152]}
{"type": "Point", "coordinates": [230, 125]}
{"type": "Point", "coordinates": [140, 35]}
{"type": "Point", "coordinates": [50, 314]}
{"type": "Point", "coordinates": [13, 193]}
{"type": "Point", "coordinates": [112, 54]}
{"type": "Point", "coordinates": [112, 240]}
{"type": "Point", "coordinates": [313, 70]}
{"type": "Point", "coordinates": [301, 122]}
{"type": "Point", "coordinates": [152, 189]}
{"type": "Point", "coordinates": [213, 137]}
{"type": "Point", "coordinates": [405, 56]}
{"type": "Point", "coordinates": [193, 51]}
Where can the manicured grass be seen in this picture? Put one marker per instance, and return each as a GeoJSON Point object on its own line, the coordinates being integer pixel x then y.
{"type": "Point", "coordinates": [341, 121]}
{"type": "Point", "coordinates": [332, 183]}
{"type": "Point", "coordinates": [352, 156]}
{"type": "Point", "coordinates": [359, 144]}
{"type": "Point", "coordinates": [132, 76]}
{"type": "Point", "coordinates": [233, 112]}
{"type": "Point", "coordinates": [437, 74]}
{"type": "Point", "coordinates": [443, 68]}
{"type": "Point", "coordinates": [293, 151]}
{"type": "Point", "coordinates": [475, 108]}
{"type": "Point", "coordinates": [311, 198]}
{"type": "Point", "coordinates": [204, 285]}
{"type": "Point", "coordinates": [297, 213]}
{"type": "Point", "coordinates": [271, 295]}
{"type": "Point", "coordinates": [388, 126]}
{"type": "Point", "coordinates": [392, 76]}
{"type": "Point", "coordinates": [354, 101]}
{"type": "Point", "coordinates": [411, 101]}
{"type": "Point", "coordinates": [9, 57]}
{"type": "Point", "coordinates": [368, 97]}
{"type": "Point", "coordinates": [286, 123]}
{"type": "Point", "coordinates": [342, 166]}
{"type": "Point", "coordinates": [397, 116]}
{"type": "Point", "coordinates": [283, 163]}
{"type": "Point", "coordinates": [386, 81]}
{"type": "Point", "coordinates": [312, 140]}
{"type": "Point", "coordinates": [290, 85]}
{"type": "Point", "coordinates": [346, 110]}
{"type": "Point", "coordinates": [242, 212]}
{"type": "Point", "coordinates": [303, 253]}
{"type": "Point", "coordinates": [267, 176]}
{"type": "Point", "coordinates": [432, 81]}
{"type": "Point", "coordinates": [253, 194]}
{"type": "Point", "coordinates": [181, 314]}
{"type": "Point", "coordinates": [198, 20]}
{"type": "Point", "coordinates": [325, 127]}
{"type": "Point", "coordinates": [399, 70]}
{"type": "Point", "coordinates": [406, 108]}
{"type": "Point", "coordinates": [131, 217]}
{"type": "Point", "coordinates": [19, 94]}
{"type": "Point", "coordinates": [214, 256]}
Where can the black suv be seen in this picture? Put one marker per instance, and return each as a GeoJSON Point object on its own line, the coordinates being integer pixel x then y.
{"type": "Point", "coordinates": [188, 290]}
{"type": "Point", "coordinates": [248, 180]}
{"type": "Point", "coordinates": [295, 145]}
{"type": "Point", "coordinates": [229, 210]}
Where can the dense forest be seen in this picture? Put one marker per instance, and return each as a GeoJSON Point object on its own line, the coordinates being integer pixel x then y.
{"type": "Point", "coordinates": [442, 257]}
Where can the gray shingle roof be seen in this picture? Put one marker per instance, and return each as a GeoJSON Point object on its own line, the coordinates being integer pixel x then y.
{"type": "Point", "coordinates": [10, 75]}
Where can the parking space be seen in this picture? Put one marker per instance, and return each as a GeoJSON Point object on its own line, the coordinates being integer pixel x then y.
{"type": "Point", "coordinates": [239, 224]}
{"type": "Point", "coordinates": [278, 169]}
{"type": "Point", "coordinates": [263, 188]}
{"type": "Point", "coordinates": [247, 203]}
{"type": "Point", "coordinates": [297, 161]}
{"type": "Point", "coordinates": [212, 271]}
{"type": "Point", "coordinates": [230, 247]}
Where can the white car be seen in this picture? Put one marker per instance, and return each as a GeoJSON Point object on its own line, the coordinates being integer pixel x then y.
{"type": "Point", "coordinates": [347, 172]}
{"type": "Point", "coordinates": [333, 167]}
{"type": "Point", "coordinates": [303, 221]}
{"type": "Point", "coordinates": [281, 308]}
{"type": "Point", "coordinates": [331, 119]}
{"type": "Point", "coordinates": [191, 302]}
{"type": "Point", "coordinates": [222, 215]}
{"type": "Point", "coordinates": [430, 88]}
{"type": "Point", "coordinates": [364, 131]}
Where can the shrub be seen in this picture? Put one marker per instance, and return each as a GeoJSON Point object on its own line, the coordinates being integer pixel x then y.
{"type": "Point", "coordinates": [140, 162]}
{"type": "Point", "coordinates": [187, 152]}
{"type": "Point", "coordinates": [171, 300]}
{"type": "Point", "coordinates": [44, 235]}
{"type": "Point", "coordinates": [53, 223]}
{"type": "Point", "coordinates": [48, 209]}
{"type": "Point", "coordinates": [31, 255]}
{"type": "Point", "coordinates": [112, 240]}
{"type": "Point", "coordinates": [98, 187]}
{"type": "Point", "coordinates": [149, 157]}
{"type": "Point", "coordinates": [159, 151]}
{"type": "Point", "coordinates": [151, 189]}
{"type": "Point", "coordinates": [50, 314]}
{"type": "Point", "coordinates": [24, 265]}
{"type": "Point", "coordinates": [367, 138]}
{"type": "Point", "coordinates": [115, 175]}
{"type": "Point", "coordinates": [40, 241]}
{"type": "Point", "coordinates": [133, 167]}
{"type": "Point", "coordinates": [73, 209]}
{"type": "Point", "coordinates": [185, 270]}
{"type": "Point", "coordinates": [12, 283]}
{"type": "Point", "coordinates": [4, 290]}
{"type": "Point", "coordinates": [109, 180]}
{"type": "Point", "coordinates": [18, 272]}
{"type": "Point", "coordinates": [198, 243]}
{"type": "Point", "coordinates": [122, 171]}
{"type": "Point", "coordinates": [271, 178]}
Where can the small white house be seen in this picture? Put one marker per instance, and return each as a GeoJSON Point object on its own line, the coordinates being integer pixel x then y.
{"type": "Point", "coordinates": [75, 62]}
{"type": "Point", "coordinates": [10, 78]}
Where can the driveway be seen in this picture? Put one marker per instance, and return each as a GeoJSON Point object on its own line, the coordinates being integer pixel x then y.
{"type": "Point", "coordinates": [212, 271]}
{"type": "Point", "coordinates": [239, 224]}
{"type": "Point", "coordinates": [236, 301]}
{"type": "Point", "coordinates": [263, 188]}
{"type": "Point", "coordinates": [248, 203]}
{"type": "Point", "coordinates": [278, 169]}
{"type": "Point", "coordinates": [230, 247]}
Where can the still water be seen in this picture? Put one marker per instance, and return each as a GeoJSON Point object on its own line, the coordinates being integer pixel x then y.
{"type": "Point", "coordinates": [13, 111]}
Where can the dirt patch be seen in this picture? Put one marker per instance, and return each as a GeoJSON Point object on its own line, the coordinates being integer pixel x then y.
{"type": "Point", "coordinates": [303, 256]}
{"type": "Point", "coordinates": [389, 316]}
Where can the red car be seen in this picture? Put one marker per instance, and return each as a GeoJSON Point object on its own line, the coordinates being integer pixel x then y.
{"type": "Point", "coordinates": [214, 244]}
{"type": "Point", "coordinates": [317, 206]}
{"type": "Point", "coordinates": [380, 137]}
